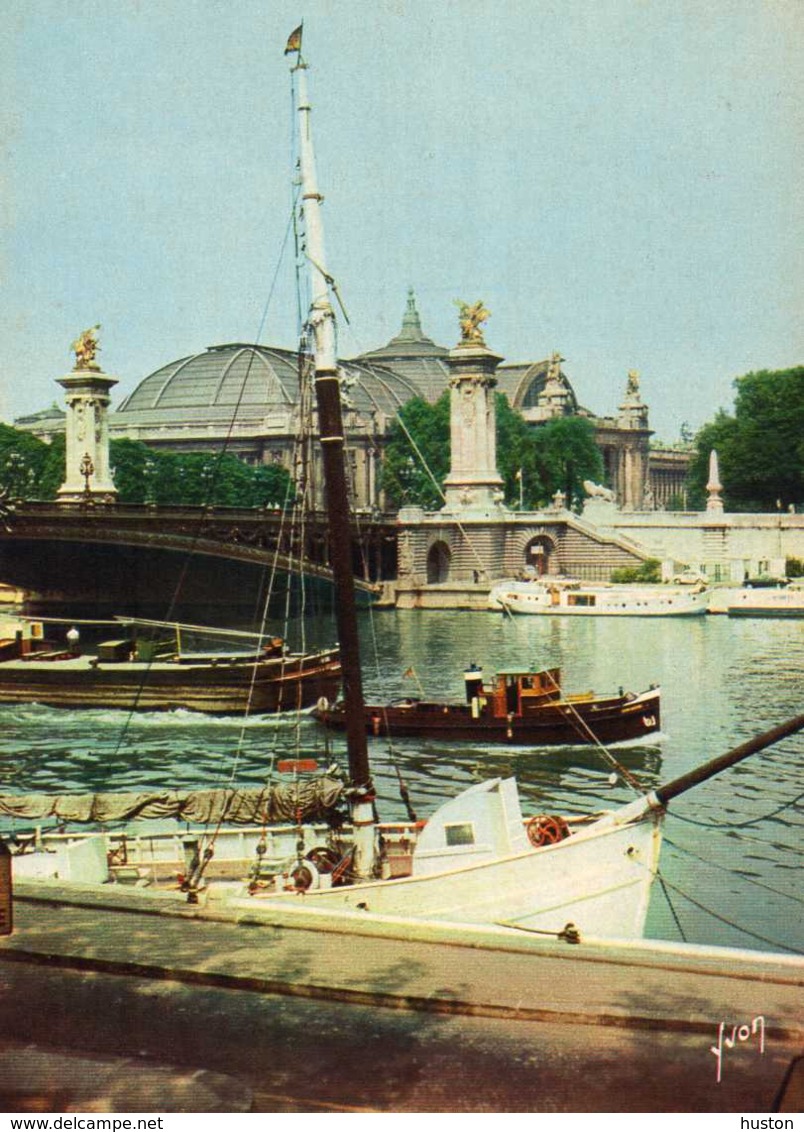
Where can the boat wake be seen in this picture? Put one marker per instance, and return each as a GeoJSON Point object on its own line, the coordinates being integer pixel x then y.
{"type": "Point", "coordinates": [155, 720]}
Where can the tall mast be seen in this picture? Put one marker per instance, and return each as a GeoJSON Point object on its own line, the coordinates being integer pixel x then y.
{"type": "Point", "coordinates": [330, 424]}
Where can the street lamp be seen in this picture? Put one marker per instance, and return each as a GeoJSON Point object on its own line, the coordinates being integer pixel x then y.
{"type": "Point", "coordinates": [148, 474]}
{"type": "Point", "coordinates": [87, 469]}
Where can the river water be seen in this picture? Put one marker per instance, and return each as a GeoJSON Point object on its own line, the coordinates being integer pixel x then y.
{"type": "Point", "coordinates": [732, 851]}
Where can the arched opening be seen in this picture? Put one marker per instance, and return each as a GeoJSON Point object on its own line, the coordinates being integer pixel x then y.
{"type": "Point", "coordinates": [539, 556]}
{"type": "Point", "coordinates": [438, 562]}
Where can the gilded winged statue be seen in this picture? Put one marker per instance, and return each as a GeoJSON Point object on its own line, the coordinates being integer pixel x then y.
{"type": "Point", "coordinates": [85, 348]}
{"type": "Point", "coordinates": [471, 319]}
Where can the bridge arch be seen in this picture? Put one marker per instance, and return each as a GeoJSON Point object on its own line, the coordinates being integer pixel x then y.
{"type": "Point", "coordinates": [537, 551]}
{"type": "Point", "coordinates": [439, 560]}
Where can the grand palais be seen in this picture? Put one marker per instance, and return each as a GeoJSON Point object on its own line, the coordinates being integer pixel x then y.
{"type": "Point", "coordinates": [246, 397]}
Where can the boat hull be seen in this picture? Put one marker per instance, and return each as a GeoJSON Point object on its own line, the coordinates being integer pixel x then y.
{"type": "Point", "coordinates": [768, 603]}
{"type": "Point", "coordinates": [599, 881]}
{"type": "Point", "coordinates": [558, 723]}
{"type": "Point", "coordinates": [765, 611]}
{"type": "Point", "coordinates": [538, 599]}
{"type": "Point", "coordinates": [270, 685]}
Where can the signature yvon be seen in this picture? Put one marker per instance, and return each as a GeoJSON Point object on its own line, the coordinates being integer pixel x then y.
{"type": "Point", "coordinates": [737, 1035]}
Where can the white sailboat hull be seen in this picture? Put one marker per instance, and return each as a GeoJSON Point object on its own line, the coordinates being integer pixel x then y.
{"type": "Point", "coordinates": [599, 880]}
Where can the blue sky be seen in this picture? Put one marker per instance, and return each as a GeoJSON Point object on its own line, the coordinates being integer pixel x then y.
{"type": "Point", "coordinates": [616, 179]}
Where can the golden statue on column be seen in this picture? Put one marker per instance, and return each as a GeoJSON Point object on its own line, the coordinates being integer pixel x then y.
{"type": "Point", "coordinates": [85, 349]}
{"type": "Point", "coordinates": [471, 318]}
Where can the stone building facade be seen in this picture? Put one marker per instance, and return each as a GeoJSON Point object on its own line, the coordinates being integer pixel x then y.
{"type": "Point", "coordinates": [641, 477]}
{"type": "Point", "coordinates": [246, 396]}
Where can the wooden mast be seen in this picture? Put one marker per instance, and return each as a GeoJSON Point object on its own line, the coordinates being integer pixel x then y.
{"type": "Point", "coordinates": [692, 778]}
{"type": "Point", "coordinates": [657, 799]}
{"type": "Point", "coordinates": [331, 430]}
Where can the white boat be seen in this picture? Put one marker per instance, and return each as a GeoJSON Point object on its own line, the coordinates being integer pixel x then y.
{"type": "Point", "coordinates": [571, 598]}
{"type": "Point", "coordinates": [291, 848]}
{"type": "Point", "coordinates": [767, 602]}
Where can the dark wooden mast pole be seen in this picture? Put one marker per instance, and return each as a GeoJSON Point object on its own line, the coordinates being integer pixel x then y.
{"type": "Point", "coordinates": [330, 425]}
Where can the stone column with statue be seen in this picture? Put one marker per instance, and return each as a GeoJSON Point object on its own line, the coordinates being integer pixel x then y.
{"type": "Point", "coordinates": [88, 476]}
{"type": "Point", "coordinates": [473, 483]}
{"type": "Point", "coordinates": [632, 471]}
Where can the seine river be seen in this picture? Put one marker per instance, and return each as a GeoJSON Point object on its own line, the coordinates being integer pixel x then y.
{"type": "Point", "coordinates": [732, 852]}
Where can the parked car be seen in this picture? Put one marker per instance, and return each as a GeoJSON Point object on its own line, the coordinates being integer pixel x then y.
{"type": "Point", "coordinates": [765, 581]}
{"type": "Point", "coordinates": [689, 578]}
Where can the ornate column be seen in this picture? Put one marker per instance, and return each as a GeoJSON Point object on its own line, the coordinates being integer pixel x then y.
{"type": "Point", "coordinates": [87, 474]}
{"type": "Point", "coordinates": [634, 417]}
{"type": "Point", "coordinates": [473, 482]}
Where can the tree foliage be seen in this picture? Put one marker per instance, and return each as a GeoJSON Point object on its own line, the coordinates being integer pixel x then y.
{"type": "Point", "coordinates": [648, 571]}
{"type": "Point", "coordinates": [31, 469]}
{"type": "Point", "coordinates": [416, 454]}
{"type": "Point", "coordinates": [760, 446]}
{"type": "Point", "coordinates": [534, 463]}
{"type": "Point", "coordinates": [569, 456]}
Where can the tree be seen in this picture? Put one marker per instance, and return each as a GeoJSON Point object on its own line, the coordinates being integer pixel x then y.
{"type": "Point", "coordinates": [25, 471]}
{"type": "Point", "coordinates": [31, 469]}
{"type": "Point", "coordinates": [417, 453]}
{"type": "Point", "coordinates": [760, 447]}
{"type": "Point", "coordinates": [132, 469]}
{"type": "Point", "coordinates": [568, 455]}
{"type": "Point", "coordinates": [519, 459]}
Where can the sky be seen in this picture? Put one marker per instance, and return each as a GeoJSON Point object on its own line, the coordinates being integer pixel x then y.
{"type": "Point", "coordinates": [615, 179]}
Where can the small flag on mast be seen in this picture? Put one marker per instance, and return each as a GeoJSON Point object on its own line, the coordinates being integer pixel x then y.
{"type": "Point", "coordinates": [294, 42]}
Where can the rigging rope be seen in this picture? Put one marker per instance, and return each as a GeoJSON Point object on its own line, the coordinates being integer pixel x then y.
{"type": "Point", "coordinates": [733, 872]}
{"type": "Point", "coordinates": [742, 824]}
{"type": "Point", "coordinates": [670, 905]}
{"type": "Point", "coordinates": [576, 720]}
{"type": "Point", "coordinates": [727, 921]}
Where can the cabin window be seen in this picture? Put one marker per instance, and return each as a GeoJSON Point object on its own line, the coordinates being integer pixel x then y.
{"type": "Point", "coordinates": [460, 833]}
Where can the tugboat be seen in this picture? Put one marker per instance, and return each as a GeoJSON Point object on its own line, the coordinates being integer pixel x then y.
{"type": "Point", "coordinates": [516, 708]}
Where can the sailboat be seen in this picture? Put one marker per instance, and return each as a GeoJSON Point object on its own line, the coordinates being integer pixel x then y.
{"type": "Point", "coordinates": [292, 851]}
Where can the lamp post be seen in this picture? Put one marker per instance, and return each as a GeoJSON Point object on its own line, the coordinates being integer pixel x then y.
{"type": "Point", "coordinates": [148, 474]}
{"type": "Point", "coordinates": [87, 470]}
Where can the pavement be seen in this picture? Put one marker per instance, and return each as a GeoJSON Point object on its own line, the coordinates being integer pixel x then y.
{"type": "Point", "coordinates": [179, 1010]}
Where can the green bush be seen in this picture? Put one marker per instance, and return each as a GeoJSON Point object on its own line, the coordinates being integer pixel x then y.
{"type": "Point", "coordinates": [648, 571]}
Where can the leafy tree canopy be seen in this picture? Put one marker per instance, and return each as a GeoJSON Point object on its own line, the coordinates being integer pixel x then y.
{"type": "Point", "coordinates": [418, 445]}
{"type": "Point", "coordinates": [760, 446]}
{"type": "Point", "coordinates": [569, 456]}
{"type": "Point", "coordinates": [31, 469]}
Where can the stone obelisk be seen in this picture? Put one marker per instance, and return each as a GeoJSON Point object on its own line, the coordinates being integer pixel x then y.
{"type": "Point", "coordinates": [714, 487]}
{"type": "Point", "coordinates": [473, 483]}
{"type": "Point", "coordinates": [88, 476]}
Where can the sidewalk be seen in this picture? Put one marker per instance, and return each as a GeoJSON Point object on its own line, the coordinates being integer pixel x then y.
{"type": "Point", "coordinates": [330, 1020]}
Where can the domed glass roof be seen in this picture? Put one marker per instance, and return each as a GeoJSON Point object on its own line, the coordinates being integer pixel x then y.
{"type": "Point", "coordinates": [413, 355]}
{"type": "Point", "coordinates": [254, 380]}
